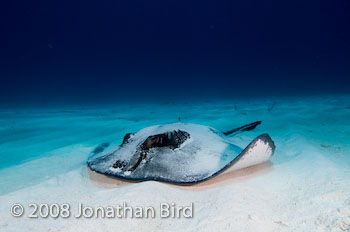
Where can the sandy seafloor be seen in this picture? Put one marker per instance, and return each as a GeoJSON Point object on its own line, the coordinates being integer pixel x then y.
{"type": "Point", "coordinates": [43, 153]}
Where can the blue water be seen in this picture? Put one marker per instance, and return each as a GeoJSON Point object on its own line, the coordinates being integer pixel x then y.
{"type": "Point", "coordinates": [68, 133]}
{"type": "Point", "coordinates": [117, 51]}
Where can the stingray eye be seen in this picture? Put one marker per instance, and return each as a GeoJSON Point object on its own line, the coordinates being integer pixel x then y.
{"type": "Point", "coordinates": [127, 138]}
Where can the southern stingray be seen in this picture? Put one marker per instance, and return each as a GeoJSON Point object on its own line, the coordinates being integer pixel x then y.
{"type": "Point", "coordinates": [180, 153]}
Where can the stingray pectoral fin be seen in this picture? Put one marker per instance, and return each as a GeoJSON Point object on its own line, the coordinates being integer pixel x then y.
{"type": "Point", "coordinates": [247, 127]}
{"type": "Point", "coordinates": [258, 151]}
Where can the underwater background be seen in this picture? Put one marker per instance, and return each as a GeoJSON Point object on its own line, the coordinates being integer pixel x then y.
{"type": "Point", "coordinates": [75, 74]}
{"type": "Point", "coordinates": [117, 51]}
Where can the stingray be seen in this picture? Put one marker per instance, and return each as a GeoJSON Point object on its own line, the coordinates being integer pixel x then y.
{"type": "Point", "coordinates": [180, 153]}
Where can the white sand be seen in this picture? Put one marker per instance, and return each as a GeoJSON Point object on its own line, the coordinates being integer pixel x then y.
{"type": "Point", "coordinates": [305, 188]}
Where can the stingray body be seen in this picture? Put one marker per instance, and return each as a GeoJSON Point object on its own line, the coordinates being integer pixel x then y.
{"type": "Point", "coordinates": [181, 153]}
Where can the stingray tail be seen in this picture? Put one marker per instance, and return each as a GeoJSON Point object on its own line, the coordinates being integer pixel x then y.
{"type": "Point", "coordinates": [247, 127]}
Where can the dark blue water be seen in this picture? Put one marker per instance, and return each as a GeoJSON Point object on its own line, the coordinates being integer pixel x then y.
{"type": "Point", "coordinates": [88, 51]}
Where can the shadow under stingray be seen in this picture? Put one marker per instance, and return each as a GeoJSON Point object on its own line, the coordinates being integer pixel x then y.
{"type": "Point", "coordinates": [225, 178]}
